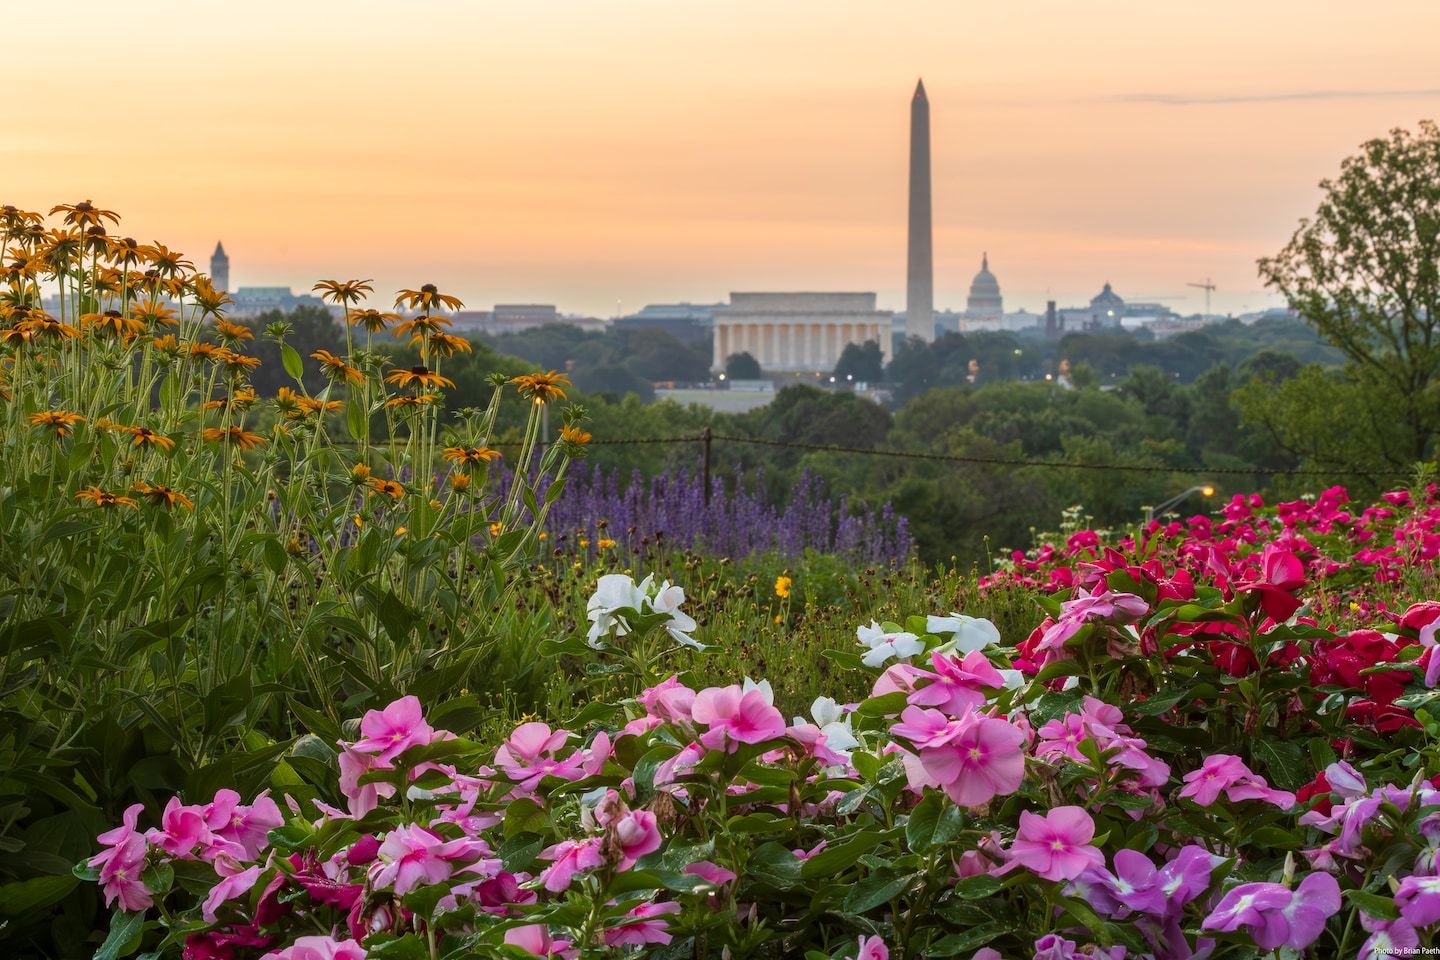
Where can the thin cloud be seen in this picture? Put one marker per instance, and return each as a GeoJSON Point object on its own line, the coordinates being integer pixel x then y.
{"type": "Point", "coordinates": [1184, 100]}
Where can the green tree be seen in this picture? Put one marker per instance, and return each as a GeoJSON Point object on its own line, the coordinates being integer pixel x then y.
{"type": "Point", "coordinates": [742, 366]}
{"type": "Point", "coordinates": [1365, 272]}
{"type": "Point", "coordinates": [862, 362]}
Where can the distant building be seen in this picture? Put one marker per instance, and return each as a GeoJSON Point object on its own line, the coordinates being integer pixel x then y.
{"type": "Point", "coordinates": [518, 318]}
{"type": "Point", "coordinates": [687, 322]}
{"type": "Point", "coordinates": [252, 301]}
{"type": "Point", "coordinates": [1106, 309]}
{"type": "Point", "coordinates": [220, 268]}
{"type": "Point", "coordinates": [984, 301]}
{"type": "Point", "coordinates": [798, 332]}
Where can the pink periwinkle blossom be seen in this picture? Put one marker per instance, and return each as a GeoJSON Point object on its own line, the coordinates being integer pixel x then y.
{"type": "Point", "coordinates": [956, 684]}
{"type": "Point", "coordinates": [1276, 916]}
{"type": "Point", "coordinates": [1055, 846]}
{"type": "Point", "coordinates": [235, 881]}
{"type": "Point", "coordinates": [669, 700]}
{"type": "Point", "coordinates": [532, 753]}
{"type": "Point", "coordinates": [390, 732]}
{"type": "Point", "coordinates": [710, 872]}
{"type": "Point", "coordinates": [734, 716]}
{"type": "Point", "coordinates": [1052, 946]}
{"type": "Point", "coordinates": [872, 948]}
{"type": "Point", "coordinates": [973, 758]}
{"type": "Point", "coordinates": [643, 925]}
{"type": "Point", "coordinates": [1419, 900]}
{"type": "Point", "coordinates": [535, 939]}
{"type": "Point", "coordinates": [567, 858]}
{"type": "Point", "coordinates": [1388, 938]}
{"type": "Point", "coordinates": [1226, 773]}
{"type": "Point", "coordinates": [318, 948]}
{"type": "Point", "coordinates": [122, 863]}
{"type": "Point", "coordinates": [412, 856]}
{"type": "Point", "coordinates": [354, 764]}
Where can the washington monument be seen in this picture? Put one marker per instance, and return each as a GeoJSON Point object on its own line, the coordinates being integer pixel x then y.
{"type": "Point", "coordinates": [920, 272]}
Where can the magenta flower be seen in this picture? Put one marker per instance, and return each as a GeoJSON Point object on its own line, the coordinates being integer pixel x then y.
{"type": "Point", "coordinates": [735, 716]}
{"type": "Point", "coordinates": [122, 863]}
{"type": "Point", "coordinates": [533, 753]}
{"type": "Point", "coordinates": [569, 857]}
{"type": "Point", "coordinates": [1281, 574]}
{"type": "Point", "coordinates": [1419, 900]}
{"type": "Point", "coordinates": [1388, 938]}
{"type": "Point", "coordinates": [642, 925]}
{"type": "Point", "coordinates": [1227, 773]}
{"type": "Point", "coordinates": [534, 938]}
{"type": "Point", "coordinates": [1275, 916]}
{"type": "Point", "coordinates": [710, 872]}
{"type": "Point", "coordinates": [1057, 845]}
{"type": "Point", "coordinates": [390, 732]}
{"type": "Point", "coordinates": [956, 684]}
{"type": "Point", "coordinates": [669, 700]}
{"type": "Point", "coordinates": [182, 830]}
{"type": "Point", "coordinates": [873, 948]}
{"type": "Point", "coordinates": [318, 948]}
{"type": "Point", "coordinates": [636, 834]}
{"type": "Point", "coordinates": [245, 830]}
{"type": "Point", "coordinates": [235, 882]}
{"type": "Point", "coordinates": [412, 856]}
{"type": "Point", "coordinates": [973, 758]}
{"type": "Point", "coordinates": [362, 798]}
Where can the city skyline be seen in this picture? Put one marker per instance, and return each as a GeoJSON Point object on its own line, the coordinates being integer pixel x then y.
{"type": "Point", "coordinates": [510, 158]}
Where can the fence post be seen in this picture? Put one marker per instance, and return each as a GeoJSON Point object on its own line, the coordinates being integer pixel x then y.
{"type": "Point", "coordinates": [705, 463]}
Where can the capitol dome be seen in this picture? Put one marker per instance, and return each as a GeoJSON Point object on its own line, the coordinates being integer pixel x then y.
{"type": "Point", "coordinates": [984, 299]}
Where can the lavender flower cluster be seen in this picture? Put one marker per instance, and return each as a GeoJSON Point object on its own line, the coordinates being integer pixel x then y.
{"type": "Point", "coordinates": [737, 521]}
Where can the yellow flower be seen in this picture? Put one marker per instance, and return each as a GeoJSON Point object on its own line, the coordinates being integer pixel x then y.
{"type": "Point", "coordinates": [389, 488]}
{"type": "Point", "coordinates": [782, 587]}
{"type": "Point", "coordinates": [337, 369]}
{"type": "Point", "coordinates": [241, 438]}
{"type": "Point", "coordinates": [1354, 606]}
{"type": "Point", "coordinates": [418, 376]}
{"type": "Point", "coordinates": [778, 618]}
{"type": "Point", "coordinates": [496, 529]}
{"type": "Point", "coordinates": [401, 531]}
{"type": "Point", "coordinates": [544, 535]}
{"type": "Point", "coordinates": [584, 543]}
{"type": "Point", "coordinates": [469, 458]}
{"type": "Point", "coordinates": [102, 498]}
{"type": "Point", "coordinates": [604, 544]}
{"type": "Point", "coordinates": [574, 435]}
{"type": "Point", "coordinates": [459, 482]}
{"type": "Point", "coordinates": [357, 521]}
{"type": "Point", "coordinates": [163, 496]}
{"type": "Point", "coordinates": [58, 420]}
{"type": "Point", "coordinates": [360, 472]}
{"type": "Point", "coordinates": [542, 387]}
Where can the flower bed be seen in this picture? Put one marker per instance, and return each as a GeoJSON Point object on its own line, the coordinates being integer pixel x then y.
{"type": "Point", "coordinates": [1180, 761]}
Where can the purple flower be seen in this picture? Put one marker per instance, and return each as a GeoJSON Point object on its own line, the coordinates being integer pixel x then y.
{"type": "Point", "coordinates": [1419, 900]}
{"type": "Point", "coordinates": [1275, 916]}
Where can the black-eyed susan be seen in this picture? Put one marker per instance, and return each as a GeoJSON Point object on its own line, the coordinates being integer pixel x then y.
{"type": "Point", "coordinates": [574, 435]}
{"type": "Point", "coordinates": [234, 436]}
{"type": "Point", "coordinates": [208, 300]}
{"type": "Point", "coordinates": [427, 298]}
{"type": "Point", "coordinates": [604, 543]}
{"type": "Point", "coordinates": [124, 251]}
{"type": "Point", "coordinates": [153, 313]}
{"type": "Point", "coordinates": [242, 399]}
{"type": "Point", "coordinates": [60, 422]}
{"type": "Point", "coordinates": [459, 482]}
{"type": "Point", "coordinates": [542, 387]}
{"type": "Point", "coordinates": [103, 498]}
{"type": "Point", "coordinates": [41, 326]}
{"type": "Point", "coordinates": [163, 496]}
{"type": "Point", "coordinates": [235, 364]}
{"type": "Point", "coordinates": [470, 458]}
{"type": "Point", "coordinates": [425, 325]}
{"type": "Point", "coordinates": [202, 350]}
{"type": "Point", "coordinates": [372, 320]}
{"type": "Point", "coordinates": [447, 344]}
{"type": "Point", "coordinates": [388, 488]}
{"type": "Point", "coordinates": [411, 401]}
{"type": "Point", "coordinates": [145, 437]}
{"type": "Point", "coordinates": [113, 323]}
{"type": "Point", "coordinates": [337, 369]}
{"type": "Point", "coordinates": [229, 332]}
{"type": "Point", "coordinates": [167, 346]}
{"type": "Point", "coordinates": [359, 474]}
{"type": "Point", "coordinates": [419, 377]}
{"type": "Point", "coordinates": [167, 262]}
{"type": "Point", "coordinates": [84, 214]}
{"type": "Point", "coordinates": [343, 291]}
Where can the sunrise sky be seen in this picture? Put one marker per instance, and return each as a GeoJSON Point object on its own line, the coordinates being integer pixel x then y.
{"type": "Point", "coordinates": [583, 153]}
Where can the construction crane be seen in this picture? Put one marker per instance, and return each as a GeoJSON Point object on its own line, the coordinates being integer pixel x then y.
{"type": "Point", "coordinates": [1208, 286]}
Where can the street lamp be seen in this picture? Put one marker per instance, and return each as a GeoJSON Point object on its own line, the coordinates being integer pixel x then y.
{"type": "Point", "coordinates": [1204, 489]}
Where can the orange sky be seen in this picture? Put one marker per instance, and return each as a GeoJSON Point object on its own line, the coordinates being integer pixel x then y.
{"type": "Point", "coordinates": [584, 153]}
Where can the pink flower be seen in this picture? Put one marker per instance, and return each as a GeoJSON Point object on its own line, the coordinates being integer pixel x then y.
{"type": "Point", "coordinates": [956, 684]}
{"type": "Point", "coordinates": [973, 758]}
{"type": "Point", "coordinates": [412, 856]}
{"type": "Point", "coordinates": [182, 829]}
{"type": "Point", "coordinates": [1281, 574]}
{"type": "Point", "coordinates": [122, 864]}
{"type": "Point", "coordinates": [1225, 772]}
{"type": "Point", "coordinates": [235, 883]}
{"type": "Point", "coordinates": [642, 926]}
{"type": "Point", "coordinates": [569, 857]}
{"type": "Point", "coordinates": [1419, 900]}
{"type": "Point", "coordinates": [669, 700]}
{"type": "Point", "coordinates": [637, 833]}
{"type": "Point", "coordinates": [354, 764]}
{"type": "Point", "coordinates": [532, 754]}
{"type": "Point", "coordinates": [535, 938]}
{"type": "Point", "coordinates": [244, 830]}
{"type": "Point", "coordinates": [390, 732]}
{"type": "Point", "coordinates": [709, 872]}
{"type": "Point", "coordinates": [1057, 845]}
{"type": "Point", "coordinates": [873, 948]}
{"type": "Point", "coordinates": [318, 948]}
{"type": "Point", "coordinates": [735, 716]}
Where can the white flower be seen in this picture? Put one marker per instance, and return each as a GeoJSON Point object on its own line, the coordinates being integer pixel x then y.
{"type": "Point", "coordinates": [970, 633]}
{"type": "Point", "coordinates": [833, 721]}
{"type": "Point", "coordinates": [667, 599]}
{"type": "Point", "coordinates": [884, 645]}
{"type": "Point", "coordinates": [766, 691]}
{"type": "Point", "coordinates": [1014, 679]}
{"type": "Point", "coordinates": [613, 592]}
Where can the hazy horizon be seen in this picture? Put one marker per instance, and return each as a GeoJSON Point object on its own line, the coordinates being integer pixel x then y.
{"type": "Point", "coordinates": [589, 154]}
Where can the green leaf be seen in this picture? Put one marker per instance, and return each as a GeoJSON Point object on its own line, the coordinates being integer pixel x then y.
{"type": "Point", "coordinates": [885, 705]}
{"type": "Point", "coordinates": [969, 940]}
{"type": "Point", "coordinates": [840, 856]}
{"type": "Point", "coordinates": [36, 893]}
{"type": "Point", "coordinates": [290, 360]}
{"type": "Point", "coordinates": [408, 947]}
{"type": "Point", "coordinates": [875, 890]}
{"type": "Point", "coordinates": [357, 420]}
{"type": "Point", "coordinates": [932, 823]}
{"type": "Point", "coordinates": [1381, 908]}
{"type": "Point", "coordinates": [124, 935]}
{"type": "Point", "coordinates": [1286, 763]}
{"type": "Point", "coordinates": [977, 887]}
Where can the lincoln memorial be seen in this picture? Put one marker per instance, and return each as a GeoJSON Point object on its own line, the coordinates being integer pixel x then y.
{"type": "Point", "coordinates": [797, 331]}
